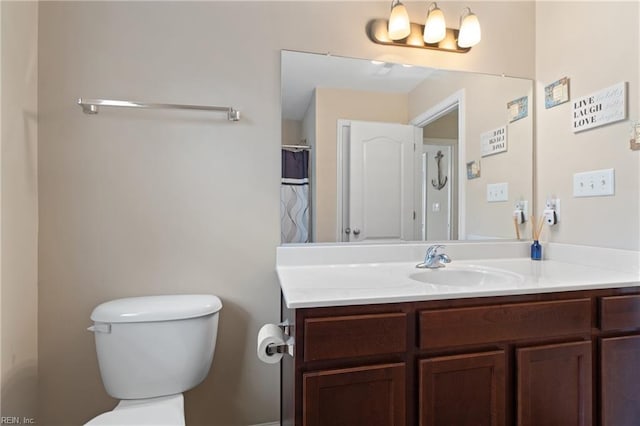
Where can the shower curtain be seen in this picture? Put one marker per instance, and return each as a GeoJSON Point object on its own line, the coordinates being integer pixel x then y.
{"type": "Point", "coordinates": [294, 197]}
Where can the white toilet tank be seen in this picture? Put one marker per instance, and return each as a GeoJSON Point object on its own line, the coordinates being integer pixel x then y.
{"type": "Point", "coordinates": [156, 345]}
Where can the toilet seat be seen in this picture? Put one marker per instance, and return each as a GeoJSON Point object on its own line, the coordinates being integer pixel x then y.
{"type": "Point", "coordinates": [161, 411]}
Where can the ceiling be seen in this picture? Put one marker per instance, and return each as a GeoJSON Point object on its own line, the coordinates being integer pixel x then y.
{"type": "Point", "coordinates": [302, 72]}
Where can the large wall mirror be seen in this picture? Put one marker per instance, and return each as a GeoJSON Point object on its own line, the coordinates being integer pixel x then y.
{"type": "Point", "coordinates": [382, 152]}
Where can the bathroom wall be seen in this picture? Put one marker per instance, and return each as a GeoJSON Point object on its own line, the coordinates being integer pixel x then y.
{"type": "Point", "coordinates": [595, 44]}
{"type": "Point", "coordinates": [291, 132]}
{"type": "Point", "coordinates": [332, 105]}
{"type": "Point", "coordinates": [19, 208]}
{"type": "Point", "coordinates": [150, 202]}
{"type": "Point", "coordinates": [445, 127]}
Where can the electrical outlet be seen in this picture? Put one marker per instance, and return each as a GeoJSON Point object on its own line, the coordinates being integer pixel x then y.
{"type": "Point", "coordinates": [524, 206]}
{"type": "Point", "coordinates": [551, 212]}
{"type": "Point", "coordinates": [553, 203]}
{"type": "Point", "coordinates": [595, 183]}
{"type": "Point", "coordinates": [497, 192]}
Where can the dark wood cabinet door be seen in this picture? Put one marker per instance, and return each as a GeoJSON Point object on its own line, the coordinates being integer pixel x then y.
{"type": "Point", "coordinates": [554, 385]}
{"type": "Point", "coordinates": [620, 381]}
{"type": "Point", "coordinates": [363, 396]}
{"type": "Point", "coordinates": [463, 390]}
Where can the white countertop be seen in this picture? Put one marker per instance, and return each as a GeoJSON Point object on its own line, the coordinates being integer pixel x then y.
{"type": "Point", "coordinates": [310, 283]}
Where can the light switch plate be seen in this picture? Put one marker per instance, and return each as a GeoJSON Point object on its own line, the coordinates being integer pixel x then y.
{"type": "Point", "coordinates": [596, 183]}
{"type": "Point", "coordinates": [497, 192]}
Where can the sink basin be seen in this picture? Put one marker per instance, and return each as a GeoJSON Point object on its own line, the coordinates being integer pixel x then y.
{"type": "Point", "coordinates": [465, 276]}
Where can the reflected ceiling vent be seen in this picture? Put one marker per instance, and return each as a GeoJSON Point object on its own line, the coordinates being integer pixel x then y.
{"type": "Point", "coordinates": [383, 69]}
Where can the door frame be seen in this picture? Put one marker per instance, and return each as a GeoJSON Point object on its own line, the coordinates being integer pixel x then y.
{"type": "Point", "coordinates": [342, 161]}
{"type": "Point", "coordinates": [453, 180]}
{"type": "Point", "coordinates": [455, 100]}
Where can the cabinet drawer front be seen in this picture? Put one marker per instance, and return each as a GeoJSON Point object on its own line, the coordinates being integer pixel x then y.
{"type": "Point", "coordinates": [620, 312]}
{"type": "Point", "coordinates": [354, 335]}
{"type": "Point", "coordinates": [488, 324]}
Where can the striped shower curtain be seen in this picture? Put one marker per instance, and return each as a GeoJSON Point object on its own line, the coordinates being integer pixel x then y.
{"type": "Point", "coordinates": [294, 197]}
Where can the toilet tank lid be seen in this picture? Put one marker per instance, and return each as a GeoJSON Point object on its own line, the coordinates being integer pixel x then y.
{"type": "Point", "coordinates": [156, 308]}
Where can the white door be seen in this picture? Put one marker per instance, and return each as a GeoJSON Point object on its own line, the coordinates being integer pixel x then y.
{"type": "Point", "coordinates": [381, 181]}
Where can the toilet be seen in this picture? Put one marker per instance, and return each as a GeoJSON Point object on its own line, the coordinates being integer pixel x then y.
{"type": "Point", "coordinates": [150, 350]}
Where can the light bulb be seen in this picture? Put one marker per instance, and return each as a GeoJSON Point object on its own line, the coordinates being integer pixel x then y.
{"type": "Point", "coordinates": [435, 28]}
{"type": "Point", "coordinates": [470, 33]}
{"type": "Point", "coordinates": [399, 26]}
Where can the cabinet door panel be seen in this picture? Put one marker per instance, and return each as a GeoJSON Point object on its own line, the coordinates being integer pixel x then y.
{"type": "Point", "coordinates": [554, 385]}
{"type": "Point", "coordinates": [363, 396]}
{"type": "Point", "coordinates": [620, 375]}
{"type": "Point", "coordinates": [463, 390]}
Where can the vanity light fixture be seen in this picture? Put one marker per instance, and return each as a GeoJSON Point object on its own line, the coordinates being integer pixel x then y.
{"type": "Point", "coordinates": [434, 34]}
{"type": "Point", "coordinates": [399, 25]}
{"type": "Point", "coordinates": [435, 28]}
{"type": "Point", "coordinates": [470, 33]}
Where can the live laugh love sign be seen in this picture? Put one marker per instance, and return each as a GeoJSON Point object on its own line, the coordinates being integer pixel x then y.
{"type": "Point", "coordinates": [603, 107]}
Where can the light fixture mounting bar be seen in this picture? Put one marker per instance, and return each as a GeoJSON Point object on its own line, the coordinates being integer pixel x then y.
{"type": "Point", "coordinates": [378, 33]}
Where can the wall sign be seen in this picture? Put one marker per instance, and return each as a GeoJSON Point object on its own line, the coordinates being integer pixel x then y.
{"type": "Point", "coordinates": [556, 93]}
{"type": "Point", "coordinates": [518, 109]}
{"type": "Point", "coordinates": [493, 141]}
{"type": "Point", "coordinates": [603, 107]}
{"type": "Point", "coordinates": [473, 169]}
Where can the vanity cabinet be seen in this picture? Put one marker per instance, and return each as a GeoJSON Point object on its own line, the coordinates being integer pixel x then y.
{"type": "Point", "coordinates": [466, 389]}
{"type": "Point", "coordinates": [554, 385]}
{"type": "Point", "coordinates": [570, 358]}
{"type": "Point", "coordinates": [371, 395]}
{"type": "Point", "coordinates": [620, 360]}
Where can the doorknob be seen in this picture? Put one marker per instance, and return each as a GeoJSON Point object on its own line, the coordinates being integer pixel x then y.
{"type": "Point", "coordinates": [347, 231]}
{"type": "Point", "coordinates": [356, 231]}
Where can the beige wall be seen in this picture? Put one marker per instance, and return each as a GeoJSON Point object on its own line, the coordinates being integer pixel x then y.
{"type": "Point", "coordinates": [331, 106]}
{"type": "Point", "coordinates": [485, 104]}
{"type": "Point", "coordinates": [445, 127]}
{"type": "Point", "coordinates": [149, 202]}
{"type": "Point", "coordinates": [291, 132]}
{"type": "Point", "coordinates": [584, 50]}
{"type": "Point", "coordinates": [19, 203]}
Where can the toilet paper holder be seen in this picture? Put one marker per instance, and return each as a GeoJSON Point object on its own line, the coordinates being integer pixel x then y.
{"type": "Point", "coordinates": [277, 349]}
{"type": "Point", "coordinates": [287, 329]}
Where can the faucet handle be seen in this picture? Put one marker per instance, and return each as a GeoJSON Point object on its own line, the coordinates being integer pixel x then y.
{"type": "Point", "coordinates": [432, 250]}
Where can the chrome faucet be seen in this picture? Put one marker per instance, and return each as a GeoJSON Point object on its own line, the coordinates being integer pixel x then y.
{"type": "Point", "coordinates": [433, 259]}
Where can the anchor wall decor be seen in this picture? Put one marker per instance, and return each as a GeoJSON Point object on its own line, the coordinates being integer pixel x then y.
{"type": "Point", "coordinates": [441, 182]}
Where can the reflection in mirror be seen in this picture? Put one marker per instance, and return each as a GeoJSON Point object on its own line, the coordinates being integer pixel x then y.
{"type": "Point", "coordinates": [381, 152]}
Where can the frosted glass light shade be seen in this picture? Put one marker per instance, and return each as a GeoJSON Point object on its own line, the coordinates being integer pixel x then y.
{"type": "Point", "coordinates": [435, 28]}
{"type": "Point", "coordinates": [399, 26]}
{"type": "Point", "coordinates": [470, 33]}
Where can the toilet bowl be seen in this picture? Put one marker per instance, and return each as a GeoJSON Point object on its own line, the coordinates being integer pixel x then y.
{"type": "Point", "coordinates": [150, 350]}
{"type": "Point", "coordinates": [161, 411]}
